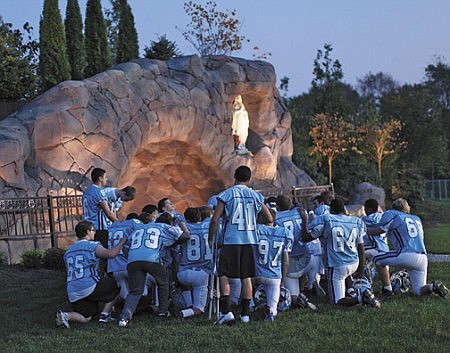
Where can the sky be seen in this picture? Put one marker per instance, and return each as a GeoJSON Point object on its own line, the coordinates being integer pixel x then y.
{"type": "Point", "coordinates": [397, 37]}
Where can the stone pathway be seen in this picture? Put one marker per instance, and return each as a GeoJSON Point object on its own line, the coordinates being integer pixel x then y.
{"type": "Point", "coordinates": [438, 257]}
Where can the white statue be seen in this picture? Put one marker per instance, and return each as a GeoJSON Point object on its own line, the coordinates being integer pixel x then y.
{"type": "Point", "coordinates": [240, 125]}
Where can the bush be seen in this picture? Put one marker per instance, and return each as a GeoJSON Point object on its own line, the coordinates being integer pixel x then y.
{"type": "Point", "coordinates": [3, 258]}
{"type": "Point", "coordinates": [53, 258]}
{"type": "Point", "coordinates": [31, 258]}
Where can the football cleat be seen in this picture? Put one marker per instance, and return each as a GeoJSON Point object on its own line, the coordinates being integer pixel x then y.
{"type": "Point", "coordinates": [440, 289]}
{"type": "Point", "coordinates": [104, 319]}
{"type": "Point", "coordinates": [303, 302]}
{"type": "Point", "coordinates": [227, 319]}
{"type": "Point", "coordinates": [368, 298]}
{"type": "Point", "coordinates": [245, 319]}
{"type": "Point", "coordinates": [62, 319]}
{"type": "Point", "coordinates": [123, 322]}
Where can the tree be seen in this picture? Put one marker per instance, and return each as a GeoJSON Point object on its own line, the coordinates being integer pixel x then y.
{"type": "Point", "coordinates": [374, 86]}
{"type": "Point", "coordinates": [112, 17]}
{"type": "Point", "coordinates": [127, 40]}
{"type": "Point", "coordinates": [332, 136]}
{"type": "Point", "coordinates": [327, 84]}
{"type": "Point", "coordinates": [75, 40]}
{"type": "Point", "coordinates": [212, 32]}
{"type": "Point", "coordinates": [17, 62]}
{"type": "Point", "coordinates": [163, 49]}
{"type": "Point", "coordinates": [379, 139]}
{"type": "Point", "coordinates": [54, 64]}
{"type": "Point", "coordinates": [96, 41]}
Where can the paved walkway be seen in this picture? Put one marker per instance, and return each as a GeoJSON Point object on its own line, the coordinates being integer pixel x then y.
{"type": "Point", "coordinates": [438, 257]}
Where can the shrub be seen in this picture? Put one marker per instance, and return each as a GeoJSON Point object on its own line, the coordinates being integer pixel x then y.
{"type": "Point", "coordinates": [54, 258]}
{"type": "Point", "coordinates": [3, 259]}
{"type": "Point", "coordinates": [31, 258]}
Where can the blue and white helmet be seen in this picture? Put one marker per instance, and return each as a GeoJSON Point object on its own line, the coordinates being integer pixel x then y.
{"type": "Point", "coordinates": [259, 297]}
{"type": "Point", "coordinates": [400, 281]}
{"type": "Point", "coordinates": [285, 301]}
{"type": "Point", "coordinates": [361, 284]}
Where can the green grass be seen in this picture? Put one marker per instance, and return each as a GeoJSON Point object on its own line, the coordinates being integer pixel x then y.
{"type": "Point", "coordinates": [30, 298]}
{"type": "Point", "coordinates": [437, 239]}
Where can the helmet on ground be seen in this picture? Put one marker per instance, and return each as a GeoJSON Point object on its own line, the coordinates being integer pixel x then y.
{"type": "Point", "coordinates": [259, 297]}
{"type": "Point", "coordinates": [361, 284]}
{"type": "Point", "coordinates": [400, 281]}
{"type": "Point", "coordinates": [285, 301]}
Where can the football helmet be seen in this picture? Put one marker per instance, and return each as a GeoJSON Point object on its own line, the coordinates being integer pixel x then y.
{"type": "Point", "coordinates": [285, 301]}
{"type": "Point", "coordinates": [259, 297]}
{"type": "Point", "coordinates": [400, 281]}
{"type": "Point", "coordinates": [361, 284]}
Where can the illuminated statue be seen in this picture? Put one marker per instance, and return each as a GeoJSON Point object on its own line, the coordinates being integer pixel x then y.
{"type": "Point", "coordinates": [240, 125]}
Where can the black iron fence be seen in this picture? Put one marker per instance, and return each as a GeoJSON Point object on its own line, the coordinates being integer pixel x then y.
{"type": "Point", "coordinates": [34, 218]}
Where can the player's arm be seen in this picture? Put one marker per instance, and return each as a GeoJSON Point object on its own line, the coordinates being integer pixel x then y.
{"type": "Point", "coordinates": [104, 206]}
{"type": "Point", "coordinates": [362, 260]}
{"type": "Point", "coordinates": [284, 267]}
{"type": "Point", "coordinates": [215, 221]}
{"type": "Point", "coordinates": [267, 213]}
{"type": "Point", "coordinates": [104, 253]}
{"type": "Point", "coordinates": [306, 236]}
{"type": "Point", "coordinates": [374, 229]}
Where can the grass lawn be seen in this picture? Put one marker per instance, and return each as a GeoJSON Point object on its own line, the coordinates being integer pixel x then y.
{"type": "Point", "coordinates": [30, 298]}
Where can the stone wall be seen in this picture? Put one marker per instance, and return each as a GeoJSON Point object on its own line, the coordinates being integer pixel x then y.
{"type": "Point", "coordinates": [162, 126]}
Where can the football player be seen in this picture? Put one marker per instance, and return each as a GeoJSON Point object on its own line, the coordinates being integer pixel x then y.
{"type": "Point", "coordinates": [343, 244]}
{"type": "Point", "coordinates": [241, 205]}
{"type": "Point", "coordinates": [274, 245]}
{"type": "Point", "coordinates": [195, 263]}
{"type": "Point", "coordinates": [144, 256]}
{"type": "Point", "coordinates": [405, 232]}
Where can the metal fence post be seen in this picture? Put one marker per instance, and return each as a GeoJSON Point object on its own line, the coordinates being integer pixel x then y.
{"type": "Point", "coordinates": [53, 235]}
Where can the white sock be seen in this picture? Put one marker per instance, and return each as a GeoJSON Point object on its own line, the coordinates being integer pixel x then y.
{"type": "Point", "coordinates": [187, 312]}
{"type": "Point", "coordinates": [388, 287]}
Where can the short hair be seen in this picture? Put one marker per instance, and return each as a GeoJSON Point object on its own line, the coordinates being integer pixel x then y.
{"type": "Point", "coordinates": [284, 203]}
{"type": "Point", "coordinates": [145, 217]}
{"type": "Point", "coordinates": [205, 212]}
{"type": "Point", "coordinates": [82, 228]}
{"type": "Point", "coordinates": [319, 199]}
{"type": "Point", "coordinates": [243, 173]}
{"type": "Point", "coordinates": [262, 217]}
{"type": "Point", "coordinates": [165, 217]}
{"type": "Point", "coordinates": [401, 205]}
{"type": "Point", "coordinates": [327, 196]}
{"type": "Point", "coordinates": [192, 215]}
{"type": "Point", "coordinates": [150, 208]}
{"type": "Point", "coordinates": [162, 204]}
{"type": "Point", "coordinates": [130, 192]}
{"type": "Point", "coordinates": [371, 204]}
{"type": "Point", "coordinates": [97, 173]}
{"type": "Point", "coordinates": [132, 215]}
{"type": "Point", "coordinates": [337, 206]}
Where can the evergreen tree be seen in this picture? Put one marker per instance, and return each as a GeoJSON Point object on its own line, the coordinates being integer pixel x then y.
{"type": "Point", "coordinates": [163, 49]}
{"type": "Point", "coordinates": [54, 64]}
{"type": "Point", "coordinates": [75, 41]}
{"type": "Point", "coordinates": [96, 41]}
{"type": "Point", "coordinates": [17, 63]}
{"type": "Point", "coordinates": [127, 41]}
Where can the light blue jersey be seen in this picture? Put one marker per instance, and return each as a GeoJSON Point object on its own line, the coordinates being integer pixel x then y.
{"type": "Point", "coordinates": [340, 236]}
{"type": "Point", "coordinates": [378, 242]}
{"type": "Point", "coordinates": [149, 240]}
{"type": "Point", "coordinates": [322, 209]}
{"type": "Point", "coordinates": [82, 269]}
{"type": "Point", "coordinates": [92, 212]}
{"type": "Point", "coordinates": [117, 231]}
{"type": "Point", "coordinates": [242, 205]}
{"type": "Point", "coordinates": [404, 231]}
{"type": "Point", "coordinates": [272, 243]}
{"type": "Point", "coordinates": [196, 253]}
{"type": "Point", "coordinates": [292, 222]}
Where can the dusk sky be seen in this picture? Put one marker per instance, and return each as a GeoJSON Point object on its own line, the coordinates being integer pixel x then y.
{"type": "Point", "coordinates": [398, 37]}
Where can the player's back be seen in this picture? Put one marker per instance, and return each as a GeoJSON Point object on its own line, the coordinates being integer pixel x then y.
{"type": "Point", "coordinates": [92, 212]}
{"type": "Point", "coordinates": [196, 253]}
{"type": "Point", "coordinates": [378, 242]}
{"type": "Point", "coordinates": [242, 205]}
{"type": "Point", "coordinates": [272, 243]}
{"type": "Point", "coordinates": [340, 236]}
{"type": "Point", "coordinates": [117, 231]}
{"type": "Point", "coordinates": [292, 222]}
{"type": "Point", "coordinates": [148, 241]}
{"type": "Point", "coordinates": [404, 230]}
